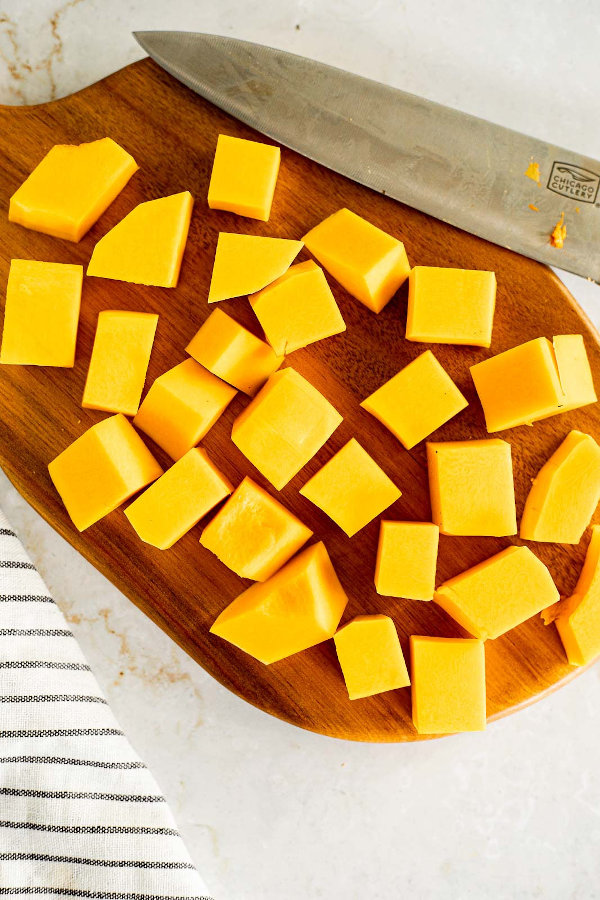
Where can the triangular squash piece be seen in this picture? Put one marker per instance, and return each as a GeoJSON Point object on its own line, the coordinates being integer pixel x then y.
{"type": "Point", "coordinates": [246, 263]}
{"type": "Point", "coordinates": [71, 187]}
{"type": "Point", "coordinates": [298, 607]}
{"type": "Point", "coordinates": [146, 247]}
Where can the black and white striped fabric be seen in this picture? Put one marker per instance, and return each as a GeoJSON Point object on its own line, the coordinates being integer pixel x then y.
{"type": "Point", "coordinates": [80, 814]}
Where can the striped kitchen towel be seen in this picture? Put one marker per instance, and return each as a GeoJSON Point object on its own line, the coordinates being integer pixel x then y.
{"type": "Point", "coordinates": [80, 814]}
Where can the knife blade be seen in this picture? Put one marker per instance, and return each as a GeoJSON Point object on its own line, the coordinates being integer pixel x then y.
{"type": "Point", "coordinates": [461, 169]}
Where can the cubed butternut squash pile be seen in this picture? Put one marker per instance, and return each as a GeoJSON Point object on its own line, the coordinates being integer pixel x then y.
{"type": "Point", "coordinates": [292, 595]}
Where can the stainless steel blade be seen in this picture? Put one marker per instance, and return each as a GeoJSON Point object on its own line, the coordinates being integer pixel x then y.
{"type": "Point", "coordinates": [456, 167]}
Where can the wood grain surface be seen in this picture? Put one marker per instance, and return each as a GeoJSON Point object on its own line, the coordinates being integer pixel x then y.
{"type": "Point", "coordinates": [172, 133]}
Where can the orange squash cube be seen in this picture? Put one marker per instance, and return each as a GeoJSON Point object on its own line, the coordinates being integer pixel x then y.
{"type": "Point", "coordinates": [534, 381]}
{"type": "Point", "coordinates": [71, 187]}
{"type": "Point", "coordinates": [448, 685]}
{"type": "Point", "coordinates": [120, 357]}
{"type": "Point", "coordinates": [178, 499]}
{"type": "Point", "coordinates": [471, 487]}
{"type": "Point", "coordinates": [243, 178]}
{"type": "Point", "coordinates": [253, 534]}
{"type": "Point", "coordinates": [407, 560]}
{"type": "Point", "coordinates": [102, 469]}
{"type": "Point", "coordinates": [369, 263]}
{"type": "Point", "coordinates": [284, 426]}
{"type": "Point", "coordinates": [451, 306]}
{"type": "Point", "coordinates": [298, 607]}
{"type": "Point", "coordinates": [499, 593]}
{"type": "Point", "coordinates": [297, 309]}
{"type": "Point", "coordinates": [233, 353]}
{"type": "Point", "coordinates": [370, 656]}
{"type": "Point", "coordinates": [417, 401]}
{"type": "Point", "coordinates": [564, 493]}
{"type": "Point", "coordinates": [181, 406]}
{"type": "Point", "coordinates": [41, 315]}
{"type": "Point", "coordinates": [351, 488]}
{"type": "Point", "coordinates": [519, 385]}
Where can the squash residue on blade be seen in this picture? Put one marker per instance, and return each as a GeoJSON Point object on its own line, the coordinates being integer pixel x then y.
{"type": "Point", "coordinates": [559, 233]}
{"type": "Point", "coordinates": [533, 171]}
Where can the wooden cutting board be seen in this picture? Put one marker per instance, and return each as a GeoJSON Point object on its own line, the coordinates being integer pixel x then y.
{"type": "Point", "coordinates": [172, 133]}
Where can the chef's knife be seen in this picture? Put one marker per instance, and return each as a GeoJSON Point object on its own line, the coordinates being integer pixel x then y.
{"type": "Point", "coordinates": [456, 167]}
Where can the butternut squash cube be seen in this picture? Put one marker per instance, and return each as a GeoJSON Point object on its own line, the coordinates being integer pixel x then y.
{"type": "Point", "coordinates": [499, 593]}
{"type": "Point", "coordinates": [243, 178]}
{"type": "Point", "coordinates": [70, 188]}
{"type": "Point", "coordinates": [102, 469]}
{"type": "Point", "coordinates": [578, 620]}
{"type": "Point", "coordinates": [120, 357]}
{"type": "Point", "coordinates": [297, 309]}
{"type": "Point", "coordinates": [574, 372]}
{"type": "Point", "coordinates": [451, 306]}
{"type": "Point", "coordinates": [298, 607]}
{"type": "Point", "coordinates": [41, 314]}
{"type": "Point", "coordinates": [146, 247]}
{"type": "Point", "coordinates": [471, 487]}
{"type": "Point", "coordinates": [370, 656]}
{"type": "Point", "coordinates": [519, 385]}
{"type": "Point", "coordinates": [253, 534]}
{"type": "Point", "coordinates": [233, 353]}
{"type": "Point", "coordinates": [416, 401]}
{"type": "Point", "coordinates": [369, 263]}
{"type": "Point", "coordinates": [182, 406]}
{"type": "Point", "coordinates": [448, 685]}
{"type": "Point", "coordinates": [407, 559]}
{"type": "Point", "coordinates": [351, 488]}
{"type": "Point", "coordinates": [178, 500]}
{"type": "Point", "coordinates": [284, 426]}
{"type": "Point", "coordinates": [246, 263]}
{"type": "Point", "coordinates": [564, 493]}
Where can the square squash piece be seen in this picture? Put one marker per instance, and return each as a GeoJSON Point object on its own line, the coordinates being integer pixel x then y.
{"type": "Point", "coordinates": [416, 401]}
{"type": "Point", "coordinates": [41, 315]}
{"type": "Point", "coordinates": [367, 261]}
{"type": "Point", "coordinates": [451, 306]}
{"type": "Point", "coordinates": [70, 188]}
{"type": "Point", "coordinates": [181, 406]}
{"type": "Point", "coordinates": [407, 560]}
{"type": "Point", "coordinates": [472, 488]}
{"type": "Point", "coordinates": [243, 177]}
{"type": "Point", "coordinates": [288, 421]}
{"type": "Point", "coordinates": [120, 357]}
{"type": "Point", "coordinates": [448, 684]}
{"type": "Point", "coordinates": [370, 656]}
{"type": "Point", "coordinates": [499, 593]}
{"type": "Point", "coordinates": [101, 469]}
{"type": "Point", "coordinates": [233, 353]}
{"type": "Point", "coordinates": [297, 309]}
{"type": "Point", "coordinates": [253, 533]}
{"type": "Point", "coordinates": [351, 488]}
{"type": "Point", "coordinates": [182, 496]}
{"type": "Point", "coordinates": [519, 385]}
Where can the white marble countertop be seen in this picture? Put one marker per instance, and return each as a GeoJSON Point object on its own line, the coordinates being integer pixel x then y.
{"type": "Point", "coordinates": [271, 812]}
